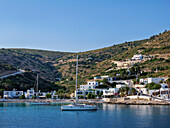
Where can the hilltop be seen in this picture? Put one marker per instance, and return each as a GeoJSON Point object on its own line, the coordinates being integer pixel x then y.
{"type": "Point", "coordinates": [51, 65]}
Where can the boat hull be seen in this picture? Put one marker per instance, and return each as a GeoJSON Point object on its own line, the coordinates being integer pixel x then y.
{"type": "Point", "coordinates": [78, 108]}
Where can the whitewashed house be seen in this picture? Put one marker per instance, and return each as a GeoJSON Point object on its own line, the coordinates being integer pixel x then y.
{"type": "Point", "coordinates": [53, 95]}
{"type": "Point", "coordinates": [120, 86]}
{"type": "Point", "coordinates": [137, 57]}
{"type": "Point", "coordinates": [12, 94]}
{"type": "Point", "coordinates": [84, 92]}
{"type": "Point", "coordinates": [155, 80]}
{"type": "Point", "coordinates": [126, 82]}
{"type": "Point", "coordinates": [164, 91]}
{"type": "Point", "coordinates": [97, 78]}
{"type": "Point", "coordinates": [144, 80]}
{"type": "Point", "coordinates": [139, 86]}
{"type": "Point", "coordinates": [110, 93]}
{"type": "Point", "coordinates": [150, 80]}
{"type": "Point", "coordinates": [90, 85]}
{"type": "Point", "coordinates": [30, 93]}
{"type": "Point", "coordinates": [107, 77]}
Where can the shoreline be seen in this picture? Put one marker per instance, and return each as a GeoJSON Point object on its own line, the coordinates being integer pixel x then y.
{"type": "Point", "coordinates": [134, 102]}
{"type": "Point", "coordinates": [140, 103]}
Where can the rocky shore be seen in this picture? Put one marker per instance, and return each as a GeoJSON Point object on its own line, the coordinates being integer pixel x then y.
{"type": "Point", "coordinates": [140, 102]}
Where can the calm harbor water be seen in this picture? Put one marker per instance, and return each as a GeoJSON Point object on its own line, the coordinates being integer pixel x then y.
{"type": "Point", "coordinates": [25, 115]}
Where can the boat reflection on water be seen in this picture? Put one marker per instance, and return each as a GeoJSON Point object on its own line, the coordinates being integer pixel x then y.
{"type": "Point", "coordinates": [40, 103]}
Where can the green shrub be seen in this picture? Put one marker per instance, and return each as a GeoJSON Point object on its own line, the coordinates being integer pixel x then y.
{"type": "Point", "coordinates": [48, 95]}
{"type": "Point", "coordinates": [90, 96]}
{"type": "Point", "coordinates": [22, 97]}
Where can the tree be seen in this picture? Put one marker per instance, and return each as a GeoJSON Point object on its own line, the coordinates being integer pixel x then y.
{"type": "Point", "coordinates": [132, 70]}
{"type": "Point", "coordinates": [1, 92]}
{"type": "Point", "coordinates": [22, 97]}
{"type": "Point", "coordinates": [100, 94]}
{"type": "Point", "coordinates": [126, 90]}
{"type": "Point", "coordinates": [121, 90]}
{"type": "Point", "coordinates": [90, 96]}
{"type": "Point", "coordinates": [48, 95]}
{"type": "Point", "coordinates": [105, 81]}
{"type": "Point", "coordinates": [133, 91]}
{"type": "Point", "coordinates": [153, 86]}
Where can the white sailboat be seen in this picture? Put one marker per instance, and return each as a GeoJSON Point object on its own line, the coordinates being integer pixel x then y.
{"type": "Point", "coordinates": [76, 106]}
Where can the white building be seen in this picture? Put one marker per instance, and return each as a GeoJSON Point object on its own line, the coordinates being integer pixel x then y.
{"type": "Point", "coordinates": [155, 80]}
{"type": "Point", "coordinates": [120, 86]}
{"type": "Point", "coordinates": [110, 93]}
{"type": "Point", "coordinates": [12, 94]}
{"type": "Point", "coordinates": [150, 80]}
{"type": "Point", "coordinates": [144, 80]}
{"type": "Point", "coordinates": [139, 86]}
{"type": "Point", "coordinates": [142, 90]}
{"type": "Point", "coordinates": [107, 77]}
{"type": "Point", "coordinates": [90, 85]}
{"type": "Point", "coordinates": [137, 57]}
{"type": "Point", "coordinates": [104, 77]}
{"type": "Point", "coordinates": [30, 93]}
{"type": "Point", "coordinates": [126, 82]}
{"type": "Point", "coordinates": [42, 95]}
{"type": "Point", "coordinates": [97, 78]}
{"type": "Point", "coordinates": [162, 92]}
{"type": "Point", "coordinates": [84, 92]}
{"type": "Point", "coordinates": [163, 85]}
{"type": "Point", "coordinates": [53, 95]}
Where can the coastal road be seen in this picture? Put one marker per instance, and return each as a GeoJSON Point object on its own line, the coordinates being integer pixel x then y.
{"type": "Point", "coordinates": [13, 74]}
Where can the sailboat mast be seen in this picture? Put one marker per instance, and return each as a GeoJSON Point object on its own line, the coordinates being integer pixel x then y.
{"type": "Point", "coordinates": [76, 79]}
{"type": "Point", "coordinates": [76, 71]}
{"type": "Point", "coordinates": [37, 84]}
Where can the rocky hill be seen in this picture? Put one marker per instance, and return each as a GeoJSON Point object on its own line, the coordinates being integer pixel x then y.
{"type": "Point", "coordinates": [51, 65]}
{"type": "Point", "coordinates": [30, 59]}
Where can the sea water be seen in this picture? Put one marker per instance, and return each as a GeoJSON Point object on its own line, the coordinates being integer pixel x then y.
{"type": "Point", "coordinates": [25, 115]}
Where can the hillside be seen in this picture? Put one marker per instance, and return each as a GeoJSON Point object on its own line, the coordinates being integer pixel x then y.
{"type": "Point", "coordinates": [96, 62]}
{"type": "Point", "coordinates": [6, 69]}
{"type": "Point", "coordinates": [26, 81]}
{"type": "Point", "coordinates": [51, 65]}
{"type": "Point", "coordinates": [30, 59]}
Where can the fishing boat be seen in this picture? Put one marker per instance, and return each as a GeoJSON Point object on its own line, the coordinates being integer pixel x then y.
{"type": "Point", "coordinates": [76, 106]}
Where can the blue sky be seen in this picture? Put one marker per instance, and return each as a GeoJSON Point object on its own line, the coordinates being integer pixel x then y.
{"type": "Point", "coordinates": [79, 25]}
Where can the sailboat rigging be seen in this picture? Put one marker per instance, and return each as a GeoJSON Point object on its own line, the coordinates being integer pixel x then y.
{"type": "Point", "coordinates": [76, 106]}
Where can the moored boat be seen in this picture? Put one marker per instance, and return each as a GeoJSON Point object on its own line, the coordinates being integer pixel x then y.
{"type": "Point", "coordinates": [76, 106]}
